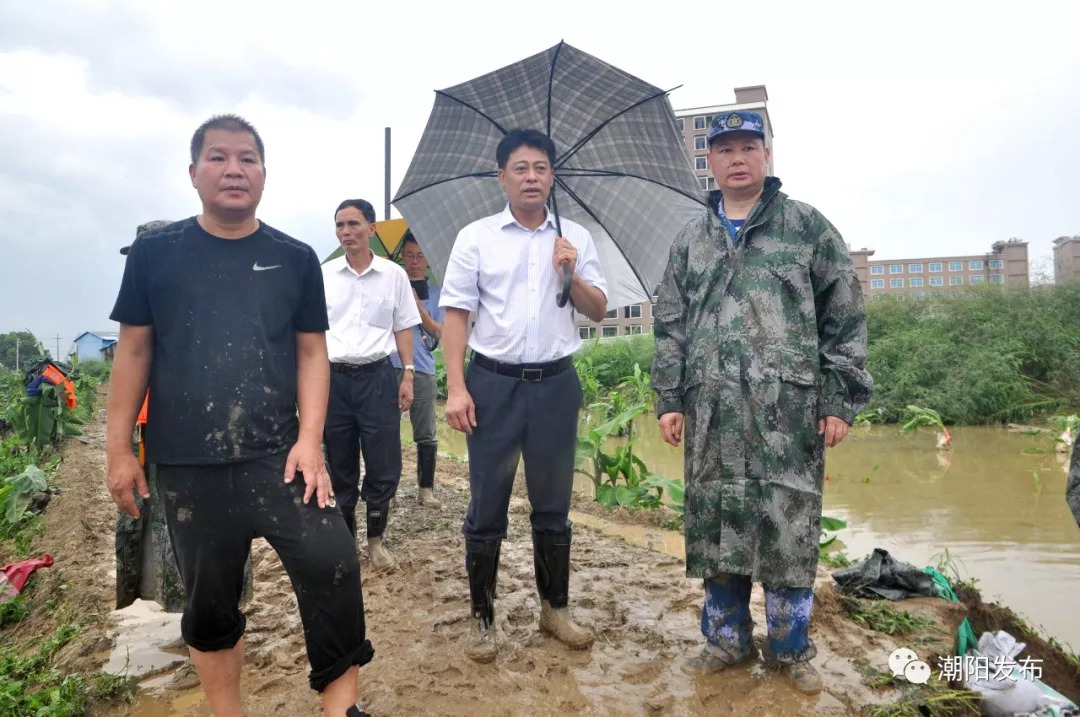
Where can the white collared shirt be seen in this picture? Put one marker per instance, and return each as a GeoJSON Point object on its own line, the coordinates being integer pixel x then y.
{"type": "Point", "coordinates": [504, 273]}
{"type": "Point", "coordinates": [366, 309]}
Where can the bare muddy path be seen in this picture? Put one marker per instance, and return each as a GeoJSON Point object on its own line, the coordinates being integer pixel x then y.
{"type": "Point", "coordinates": [646, 614]}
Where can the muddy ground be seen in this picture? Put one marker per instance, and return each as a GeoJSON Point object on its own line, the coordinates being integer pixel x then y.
{"type": "Point", "coordinates": [645, 611]}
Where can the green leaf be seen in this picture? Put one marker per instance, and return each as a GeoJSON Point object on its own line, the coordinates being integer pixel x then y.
{"type": "Point", "coordinates": [626, 496]}
{"type": "Point", "coordinates": [605, 495]}
{"type": "Point", "coordinates": [828, 523]}
{"type": "Point", "coordinates": [19, 489]}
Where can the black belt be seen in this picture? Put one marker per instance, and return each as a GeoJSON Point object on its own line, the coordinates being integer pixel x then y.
{"type": "Point", "coordinates": [524, 371]}
{"type": "Point", "coordinates": [361, 367]}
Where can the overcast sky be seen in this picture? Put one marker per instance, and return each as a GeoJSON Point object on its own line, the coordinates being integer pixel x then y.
{"type": "Point", "coordinates": [925, 129]}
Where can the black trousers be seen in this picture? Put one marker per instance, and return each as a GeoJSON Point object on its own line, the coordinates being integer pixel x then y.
{"type": "Point", "coordinates": [519, 418]}
{"type": "Point", "coordinates": [362, 416]}
{"type": "Point", "coordinates": [214, 512]}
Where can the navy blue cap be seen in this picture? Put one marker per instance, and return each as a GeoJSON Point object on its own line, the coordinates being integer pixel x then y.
{"type": "Point", "coordinates": [737, 121]}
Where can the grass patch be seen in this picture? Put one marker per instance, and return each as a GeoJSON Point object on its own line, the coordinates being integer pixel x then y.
{"type": "Point", "coordinates": [838, 559]}
{"type": "Point", "coordinates": [929, 701]}
{"type": "Point", "coordinates": [934, 699]}
{"type": "Point", "coordinates": [880, 616]}
{"type": "Point", "coordinates": [35, 686]}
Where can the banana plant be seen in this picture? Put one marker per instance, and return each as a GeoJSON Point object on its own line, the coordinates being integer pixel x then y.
{"type": "Point", "coordinates": [44, 419]}
{"type": "Point", "coordinates": [827, 524]}
{"type": "Point", "coordinates": [916, 416]}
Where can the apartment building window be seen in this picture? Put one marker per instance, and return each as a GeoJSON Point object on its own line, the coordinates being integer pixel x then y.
{"type": "Point", "coordinates": [877, 270]}
{"type": "Point", "coordinates": [956, 266]}
{"type": "Point", "coordinates": [956, 280]}
{"type": "Point", "coordinates": [712, 183]}
{"type": "Point", "coordinates": [879, 296]}
{"type": "Point", "coordinates": [700, 163]}
{"type": "Point", "coordinates": [699, 142]}
{"type": "Point", "coordinates": [613, 314]}
{"type": "Point", "coordinates": [914, 268]}
{"type": "Point", "coordinates": [609, 331]}
{"type": "Point", "coordinates": [936, 280]}
{"type": "Point", "coordinates": [633, 329]}
{"type": "Point", "coordinates": [916, 282]}
{"type": "Point", "coordinates": [632, 312]}
{"type": "Point", "coordinates": [679, 123]}
{"type": "Point", "coordinates": [877, 283]}
{"type": "Point", "coordinates": [958, 294]}
{"type": "Point", "coordinates": [976, 278]}
{"type": "Point", "coordinates": [586, 332]}
{"type": "Point", "coordinates": [935, 266]}
{"type": "Point", "coordinates": [699, 123]}
{"type": "Point", "coordinates": [997, 264]}
{"type": "Point", "coordinates": [975, 265]}
{"type": "Point", "coordinates": [896, 283]}
{"type": "Point", "coordinates": [917, 295]}
{"type": "Point", "coordinates": [997, 278]}
{"type": "Point", "coordinates": [896, 268]}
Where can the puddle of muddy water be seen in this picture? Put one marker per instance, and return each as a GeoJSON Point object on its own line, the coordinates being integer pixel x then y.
{"type": "Point", "coordinates": [170, 705]}
{"type": "Point", "coordinates": [143, 629]}
{"type": "Point", "coordinates": [995, 503]}
{"type": "Point", "coordinates": [662, 541]}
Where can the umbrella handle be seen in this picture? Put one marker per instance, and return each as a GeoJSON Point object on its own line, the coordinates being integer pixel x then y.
{"type": "Point", "coordinates": [564, 294]}
{"type": "Point", "coordinates": [568, 279]}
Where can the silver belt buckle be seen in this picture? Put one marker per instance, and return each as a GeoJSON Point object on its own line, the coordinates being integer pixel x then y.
{"type": "Point", "coordinates": [526, 372]}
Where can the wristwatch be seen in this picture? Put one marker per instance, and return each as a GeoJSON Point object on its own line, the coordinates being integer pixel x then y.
{"type": "Point", "coordinates": [409, 367]}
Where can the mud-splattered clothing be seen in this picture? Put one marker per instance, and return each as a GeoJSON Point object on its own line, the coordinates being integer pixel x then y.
{"type": "Point", "coordinates": [728, 627]}
{"type": "Point", "coordinates": [225, 314]}
{"type": "Point", "coordinates": [145, 560]}
{"type": "Point", "coordinates": [213, 514]}
{"type": "Point", "coordinates": [756, 339]}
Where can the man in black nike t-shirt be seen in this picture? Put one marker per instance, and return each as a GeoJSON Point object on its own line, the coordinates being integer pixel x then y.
{"type": "Point", "coordinates": [224, 319]}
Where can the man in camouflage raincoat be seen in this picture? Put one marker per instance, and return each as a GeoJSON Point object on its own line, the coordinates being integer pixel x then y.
{"type": "Point", "coordinates": [760, 344]}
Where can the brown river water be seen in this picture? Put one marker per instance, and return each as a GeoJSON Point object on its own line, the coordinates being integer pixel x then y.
{"type": "Point", "coordinates": [999, 511]}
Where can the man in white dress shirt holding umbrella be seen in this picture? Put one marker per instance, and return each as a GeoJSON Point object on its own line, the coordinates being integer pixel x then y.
{"type": "Point", "coordinates": [521, 396]}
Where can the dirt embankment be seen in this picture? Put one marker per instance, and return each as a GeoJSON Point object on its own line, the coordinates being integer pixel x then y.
{"type": "Point", "coordinates": [644, 610]}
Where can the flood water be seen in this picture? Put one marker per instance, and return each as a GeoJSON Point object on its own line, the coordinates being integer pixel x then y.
{"type": "Point", "coordinates": [998, 510]}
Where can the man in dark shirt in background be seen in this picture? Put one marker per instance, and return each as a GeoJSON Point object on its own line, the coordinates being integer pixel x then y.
{"type": "Point", "coordinates": [224, 318]}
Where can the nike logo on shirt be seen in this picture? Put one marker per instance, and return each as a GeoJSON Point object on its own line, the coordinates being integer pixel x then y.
{"type": "Point", "coordinates": [256, 267]}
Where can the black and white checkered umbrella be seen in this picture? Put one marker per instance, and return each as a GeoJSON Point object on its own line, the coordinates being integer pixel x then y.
{"type": "Point", "coordinates": [622, 170]}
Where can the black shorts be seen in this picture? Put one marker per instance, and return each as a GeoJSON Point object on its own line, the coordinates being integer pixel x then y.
{"type": "Point", "coordinates": [213, 514]}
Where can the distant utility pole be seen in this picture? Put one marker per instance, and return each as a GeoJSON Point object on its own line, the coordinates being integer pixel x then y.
{"type": "Point", "coordinates": [56, 357]}
{"type": "Point", "coordinates": [386, 210]}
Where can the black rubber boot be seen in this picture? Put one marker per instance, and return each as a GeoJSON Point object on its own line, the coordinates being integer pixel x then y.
{"type": "Point", "coordinates": [551, 560]}
{"type": "Point", "coordinates": [377, 515]}
{"type": "Point", "coordinates": [482, 567]}
{"type": "Point", "coordinates": [551, 556]}
{"type": "Point", "coordinates": [426, 453]}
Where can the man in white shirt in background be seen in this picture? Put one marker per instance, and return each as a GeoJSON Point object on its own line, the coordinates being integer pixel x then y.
{"type": "Point", "coordinates": [372, 309]}
{"type": "Point", "coordinates": [522, 395]}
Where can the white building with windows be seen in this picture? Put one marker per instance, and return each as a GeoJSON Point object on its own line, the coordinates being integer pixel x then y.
{"type": "Point", "coordinates": [1005, 263]}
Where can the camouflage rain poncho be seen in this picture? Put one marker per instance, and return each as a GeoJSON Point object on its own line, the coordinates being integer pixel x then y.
{"type": "Point", "coordinates": [754, 342]}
